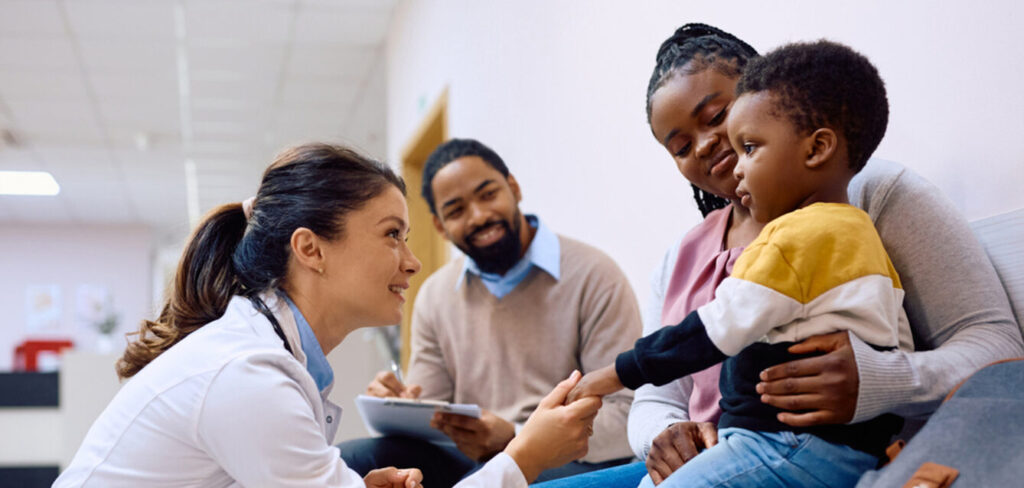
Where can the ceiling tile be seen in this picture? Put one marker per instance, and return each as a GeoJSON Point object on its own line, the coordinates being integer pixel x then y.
{"type": "Point", "coordinates": [99, 202]}
{"type": "Point", "coordinates": [28, 111]}
{"type": "Point", "coordinates": [78, 163]}
{"type": "Point", "coordinates": [256, 90]}
{"type": "Point", "coordinates": [212, 196]}
{"type": "Point", "coordinates": [121, 19]}
{"type": "Point", "coordinates": [14, 159]}
{"type": "Point", "coordinates": [239, 57]}
{"type": "Point", "coordinates": [155, 115]}
{"type": "Point", "coordinates": [330, 60]}
{"type": "Point", "coordinates": [130, 136]}
{"type": "Point", "coordinates": [314, 114]}
{"type": "Point", "coordinates": [223, 179]}
{"type": "Point", "coordinates": [161, 202]}
{"type": "Point", "coordinates": [52, 121]}
{"type": "Point", "coordinates": [372, 5]}
{"type": "Point", "coordinates": [30, 17]}
{"type": "Point", "coordinates": [251, 117]}
{"type": "Point", "coordinates": [351, 26]}
{"type": "Point", "coordinates": [334, 92]}
{"type": "Point", "coordinates": [79, 105]}
{"type": "Point", "coordinates": [220, 165]}
{"type": "Point", "coordinates": [218, 148]}
{"type": "Point", "coordinates": [50, 54]}
{"type": "Point", "coordinates": [292, 135]}
{"type": "Point", "coordinates": [149, 165]}
{"type": "Point", "coordinates": [42, 84]}
{"type": "Point", "coordinates": [238, 20]}
{"type": "Point", "coordinates": [139, 86]}
{"type": "Point", "coordinates": [88, 135]}
{"type": "Point", "coordinates": [130, 57]}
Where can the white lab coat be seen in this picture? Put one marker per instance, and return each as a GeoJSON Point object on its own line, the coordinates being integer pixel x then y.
{"type": "Point", "coordinates": [229, 406]}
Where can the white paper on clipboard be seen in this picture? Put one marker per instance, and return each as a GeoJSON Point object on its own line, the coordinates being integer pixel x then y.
{"type": "Point", "coordinates": [401, 416]}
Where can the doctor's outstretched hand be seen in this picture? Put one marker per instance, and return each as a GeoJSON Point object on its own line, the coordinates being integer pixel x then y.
{"type": "Point", "coordinates": [555, 433]}
{"type": "Point", "coordinates": [393, 478]}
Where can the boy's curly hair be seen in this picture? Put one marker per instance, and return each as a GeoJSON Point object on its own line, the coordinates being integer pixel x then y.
{"type": "Point", "coordinates": [824, 84]}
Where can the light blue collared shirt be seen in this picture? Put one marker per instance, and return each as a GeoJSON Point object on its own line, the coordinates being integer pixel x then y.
{"type": "Point", "coordinates": [316, 361]}
{"type": "Point", "coordinates": [545, 252]}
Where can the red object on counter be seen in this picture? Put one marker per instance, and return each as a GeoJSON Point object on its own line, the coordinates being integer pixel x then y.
{"type": "Point", "coordinates": [26, 355]}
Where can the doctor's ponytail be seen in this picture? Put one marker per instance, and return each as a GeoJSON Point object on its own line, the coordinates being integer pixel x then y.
{"type": "Point", "coordinates": [231, 254]}
{"type": "Point", "coordinates": [203, 285]}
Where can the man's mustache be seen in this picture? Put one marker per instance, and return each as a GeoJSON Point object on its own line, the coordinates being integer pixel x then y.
{"type": "Point", "coordinates": [486, 226]}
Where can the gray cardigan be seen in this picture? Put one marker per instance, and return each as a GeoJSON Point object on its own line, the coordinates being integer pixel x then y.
{"type": "Point", "coordinates": [958, 310]}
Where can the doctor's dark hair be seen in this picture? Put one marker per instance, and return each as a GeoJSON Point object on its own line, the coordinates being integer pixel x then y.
{"type": "Point", "coordinates": [692, 49]}
{"type": "Point", "coordinates": [313, 186]}
{"type": "Point", "coordinates": [824, 84]}
{"type": "Point", "coordinates": [450, 151]}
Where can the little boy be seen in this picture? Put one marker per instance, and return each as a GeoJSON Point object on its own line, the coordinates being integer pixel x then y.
{"type": "Point", "coordinates": [806, 118]}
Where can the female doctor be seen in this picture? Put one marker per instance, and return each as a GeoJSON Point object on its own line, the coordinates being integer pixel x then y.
{"type": "Point", "coordinates": [229, 385]}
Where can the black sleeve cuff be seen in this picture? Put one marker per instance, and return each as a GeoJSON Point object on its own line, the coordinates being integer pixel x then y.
{"type": "Point", "coordinates": [668, 354]}
{"type": "Point", "coordinates": [629, 371]}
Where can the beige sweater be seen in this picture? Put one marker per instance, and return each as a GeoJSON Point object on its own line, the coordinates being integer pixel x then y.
{"type": "Point", "coordinates": [506, 355]}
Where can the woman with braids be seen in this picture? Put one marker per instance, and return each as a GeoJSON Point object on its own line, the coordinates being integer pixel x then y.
{"type": "Point", "coordinates": [228, 386]}
{"type": "Point", "coordinates": [958, 311]}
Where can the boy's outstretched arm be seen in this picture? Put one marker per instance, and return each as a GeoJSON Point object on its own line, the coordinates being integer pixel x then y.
{"type": "Point", "coordinates": [668, 354]}
{"type": "Point", "coordinates": [599, 383]}
{"type": "Point", "coordinates": [659, 358]}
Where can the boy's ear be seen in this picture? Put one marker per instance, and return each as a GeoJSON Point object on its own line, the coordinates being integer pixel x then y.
{"type": "Point", "coordinates": [822, 147]}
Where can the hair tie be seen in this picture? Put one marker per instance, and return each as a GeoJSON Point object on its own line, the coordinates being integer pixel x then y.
{"type": "Point", "coordinates": [247, 207]}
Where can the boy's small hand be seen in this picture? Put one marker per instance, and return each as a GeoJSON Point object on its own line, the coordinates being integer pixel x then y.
{"type": "Point", "coordinates": [604, 381]}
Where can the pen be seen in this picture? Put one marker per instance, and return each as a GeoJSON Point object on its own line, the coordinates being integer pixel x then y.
{"type": "Point", "coordinates": [398, 372]}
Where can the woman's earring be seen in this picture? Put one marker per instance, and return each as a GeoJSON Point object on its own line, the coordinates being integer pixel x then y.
{"type": "Point", "coordinates": [321, 270]}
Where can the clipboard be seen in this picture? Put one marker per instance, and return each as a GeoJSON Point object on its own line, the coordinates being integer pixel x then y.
{"type": "Point", "coordinates": [407, 417]}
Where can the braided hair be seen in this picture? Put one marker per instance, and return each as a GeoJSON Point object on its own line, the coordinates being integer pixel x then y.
{"type": "Point", "coordinates": [694, 48]}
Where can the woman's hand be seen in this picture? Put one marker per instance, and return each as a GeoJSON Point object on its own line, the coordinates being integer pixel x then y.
{"type": "Point", "coordinates": [676, 445]}
{"type": "Point", "coordinates": [599, 383]}
{"type": "Point", "coordinates": [386, 384]}
{"type": "Point", "coordinates": [555, 433]}
{"type": "Point", "coordinates": [823, 388]}
{"type": "Point", "coordinates": [393, 478]}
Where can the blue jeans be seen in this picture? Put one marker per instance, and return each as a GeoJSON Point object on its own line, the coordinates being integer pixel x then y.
{"type": "Point", "coordinates": [744, 458]}
{"type": "Point", "coordinates": [624, 476]}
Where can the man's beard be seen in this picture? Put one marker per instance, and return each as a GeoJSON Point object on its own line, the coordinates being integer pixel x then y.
{"type": "Point", "coordinates": [499, 257]}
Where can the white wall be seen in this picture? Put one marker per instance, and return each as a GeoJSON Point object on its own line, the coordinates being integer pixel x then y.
{"type": "Point", "coordinates": [116, 257]}
{"type": "Point", "coordinates": [558, 89]}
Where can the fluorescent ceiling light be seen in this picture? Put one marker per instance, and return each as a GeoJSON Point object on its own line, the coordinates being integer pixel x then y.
{"type": "Point", "coordinates": [28, 183]}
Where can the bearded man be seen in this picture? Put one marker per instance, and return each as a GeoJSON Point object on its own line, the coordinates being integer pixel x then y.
{"type": "Point", "coordinates": [503, 324]}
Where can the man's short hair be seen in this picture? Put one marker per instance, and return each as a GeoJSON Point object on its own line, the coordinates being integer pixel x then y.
{"type": "Point", "coordinates": [450, 151]}
{"type": "Point", "coordinates": [824, 84]}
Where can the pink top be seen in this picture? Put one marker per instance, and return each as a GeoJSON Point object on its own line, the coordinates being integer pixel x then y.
{"type": "Point", "coordinates": [702, 264]}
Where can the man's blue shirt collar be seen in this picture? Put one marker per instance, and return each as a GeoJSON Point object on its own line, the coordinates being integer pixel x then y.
{"type": "Point", "coordinates": [316, 361]}
{"type": "Point", "coordinates": [544, 252]}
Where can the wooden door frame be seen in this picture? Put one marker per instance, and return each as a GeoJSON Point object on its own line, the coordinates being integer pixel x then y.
{"type": "Point", "coordinates": [430, 247]}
